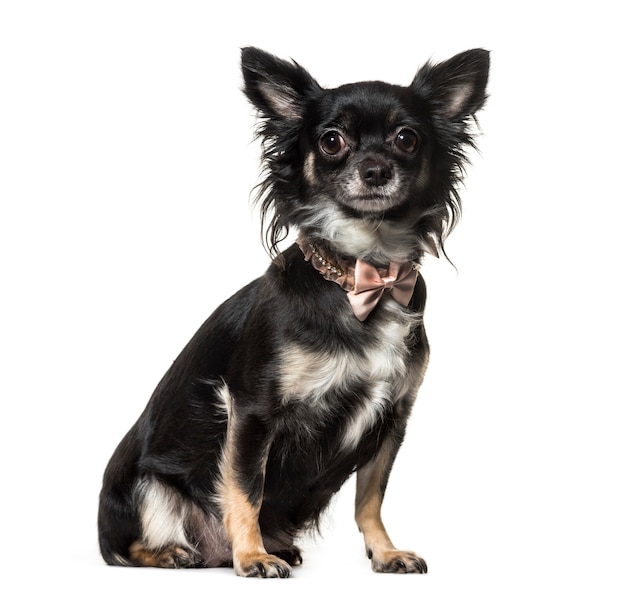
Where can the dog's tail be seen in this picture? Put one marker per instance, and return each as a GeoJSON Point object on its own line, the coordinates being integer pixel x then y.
{"type": "Point", "coordinates": [113, 558]}
{"type": "Point", "coordinates": [119, 525]}
{"type": "Point", "coordinates": [118, 528]}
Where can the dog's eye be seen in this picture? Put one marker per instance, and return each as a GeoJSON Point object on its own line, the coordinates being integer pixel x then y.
{"type": "Point", "coordinates": [407, 140]}
{"type": "Point", "coordinates": [332, 143]}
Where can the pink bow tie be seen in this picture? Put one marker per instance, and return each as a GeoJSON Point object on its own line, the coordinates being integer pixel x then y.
{"type": "Point", "coordinates": [370, 285]}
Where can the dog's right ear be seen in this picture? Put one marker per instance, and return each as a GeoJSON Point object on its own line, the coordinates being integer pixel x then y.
{"type": "Point", "coordinates": [456, 87]}
{"type": "Point", "coordinates": [277, 88]}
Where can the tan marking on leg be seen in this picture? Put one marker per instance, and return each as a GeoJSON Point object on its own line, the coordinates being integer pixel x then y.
{"type": "Point", "coordinates": [368, 506]}
{"type": "Point", "coordinates": [241, 522]}
{"type": "Point", "coordinates": [369, 497]}
{"type": "Point", "coordinates": [170, 556]}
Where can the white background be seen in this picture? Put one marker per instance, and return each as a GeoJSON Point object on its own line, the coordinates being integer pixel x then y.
{"type": "Point", "coordinates": [126, 164]}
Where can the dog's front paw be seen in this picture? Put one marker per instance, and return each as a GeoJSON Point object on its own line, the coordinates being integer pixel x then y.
{"type": "Point", "coordinates": [261, 566]}
{"type": "Point", "coordinates": [398, 562]}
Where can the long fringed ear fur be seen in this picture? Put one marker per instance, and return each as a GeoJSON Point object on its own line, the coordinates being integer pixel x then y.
{"type": "Point", "coordinates": [279, 90]}
{"type": "Point", "coordinates": [455, 90]}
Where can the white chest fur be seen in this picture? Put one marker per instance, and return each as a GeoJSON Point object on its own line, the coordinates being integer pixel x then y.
{"type": "Point", "coordinates": [379, 368]}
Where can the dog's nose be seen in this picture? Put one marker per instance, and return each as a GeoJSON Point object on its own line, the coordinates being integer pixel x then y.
{"type": "Point", "coordinates": [375, 172]}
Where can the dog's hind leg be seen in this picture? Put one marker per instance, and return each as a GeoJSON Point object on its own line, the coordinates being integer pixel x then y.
{"type": "Point", "coordinates": [164, 515]}
{"type": "Point", "coordinates": [371, 482]}
{"type": "Point", "coordinates": [170, 556]}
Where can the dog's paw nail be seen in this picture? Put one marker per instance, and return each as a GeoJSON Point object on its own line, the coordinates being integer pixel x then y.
{"type": "Point", "coordinates": [263, 566]}
{"type": "Point", "coordinates": [399, 562]}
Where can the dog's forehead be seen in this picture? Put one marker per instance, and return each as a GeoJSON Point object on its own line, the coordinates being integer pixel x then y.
{"type": "Point", "coordinates": [373, 102]}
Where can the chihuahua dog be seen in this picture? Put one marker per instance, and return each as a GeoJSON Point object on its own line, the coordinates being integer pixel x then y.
{"type": "Point", "coordinates": [309, 373]}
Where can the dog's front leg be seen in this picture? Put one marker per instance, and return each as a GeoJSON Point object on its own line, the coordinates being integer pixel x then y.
{"type": "Point", "coordinates": [371, 482]}
{"type": "Point", "coordinates": [241, 494]}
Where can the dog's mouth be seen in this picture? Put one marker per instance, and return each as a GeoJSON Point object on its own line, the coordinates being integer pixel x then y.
{"type": "Point", "coordinates": [372, 201]}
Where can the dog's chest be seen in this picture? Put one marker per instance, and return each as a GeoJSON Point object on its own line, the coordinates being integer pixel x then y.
{"type": "Point", "coordinates": [354, 385]}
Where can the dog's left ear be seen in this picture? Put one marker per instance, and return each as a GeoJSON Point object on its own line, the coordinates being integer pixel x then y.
{"type": "Point", "coordinates": [277, 88]}
{"type": "Point", "coordinates": [456, 87]}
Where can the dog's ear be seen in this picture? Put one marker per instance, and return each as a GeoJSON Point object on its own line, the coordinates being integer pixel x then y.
{"type": "Point", "coordinates": [456, 87]}
{"type": "Point", "coordinates": [277, 88]}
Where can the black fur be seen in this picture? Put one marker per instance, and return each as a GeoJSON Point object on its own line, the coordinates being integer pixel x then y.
{"type": "Point", "coordinates": [388, 193]}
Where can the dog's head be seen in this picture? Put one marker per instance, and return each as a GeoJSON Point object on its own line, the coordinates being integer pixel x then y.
{"type": "Point", "coordinates": [371, 168]}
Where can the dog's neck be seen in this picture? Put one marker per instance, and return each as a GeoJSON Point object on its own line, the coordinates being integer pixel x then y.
{"type": "Point", "coordinates": [334, 269]}
{"type": "Point", "coordinates": [364, 283]}
{"type": "Point", "coordinates": [341, 250]}
{"type": "Point", "coordinates": [377, 241]}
